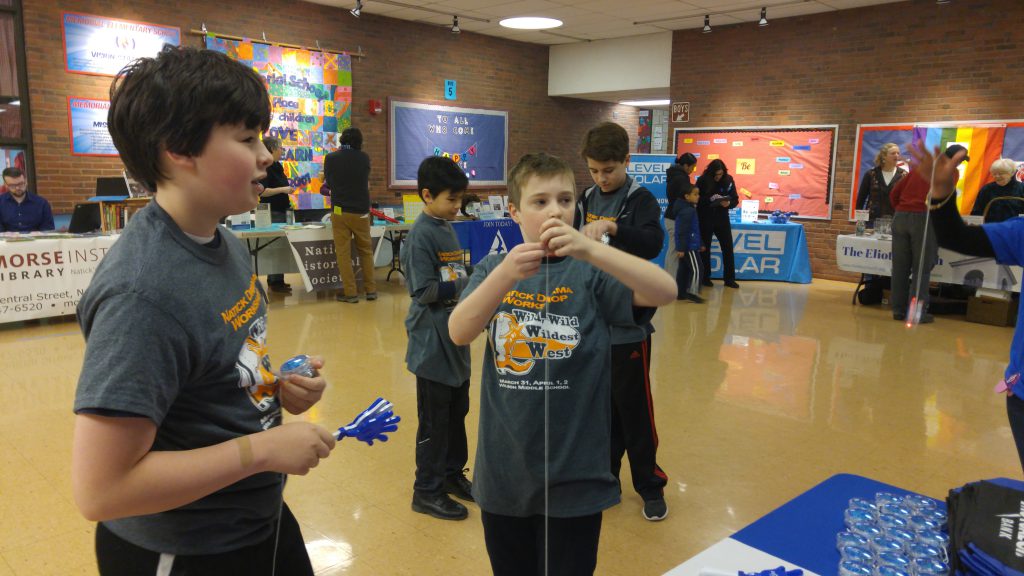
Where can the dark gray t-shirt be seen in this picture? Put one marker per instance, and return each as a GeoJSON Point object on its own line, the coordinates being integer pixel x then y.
{"type": "Point", "coordinates": [176, 332]}
{"type": "Point", "coordinates": [554, 338]}
{"type": "Point", "coordinates": [431, 255]}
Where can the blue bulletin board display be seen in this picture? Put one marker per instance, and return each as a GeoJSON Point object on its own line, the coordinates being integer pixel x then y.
{"type": "Point", "coordinates": [648, 170]}
{"type": "Point", "coordinates": [102, 46]}
{"type": "Point", "coordinates": [476, 139]}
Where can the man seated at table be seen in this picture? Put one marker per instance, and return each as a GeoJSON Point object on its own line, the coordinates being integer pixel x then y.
{"type": "Point", "coordinates": [19, 210]}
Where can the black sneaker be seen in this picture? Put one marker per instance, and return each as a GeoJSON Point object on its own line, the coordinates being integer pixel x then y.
{"type": "Point", "coordinates": [655, 509]}
{"type": "Point", "coordinates": [706, 283]}
{"type": "Point", "coordinates": [459, 486]}
{"type": "Point", "coordinates": [348, 299]}
{"type": "Point", "coordinates": [695, 298]}
{"type": "Point", "coordinates": [439, 506]}
{"type": "Point", "coordinates": [927, 318]}
{"type": "Point", "coordinates": [370, 296]}
{"type": "Point", "coordinates": [732, 284]}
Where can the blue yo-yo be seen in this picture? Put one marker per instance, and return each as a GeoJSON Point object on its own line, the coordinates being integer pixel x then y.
{"type": "Point", "coordinates": [918, 550]}
{"type": "Point", "coordinates": [895, 509]}
{"type": "Point", "coordinates": [857, 554]}
{"type": "Point", "coordinates": [919, 502]}
{"type": "Point", "coordinates": [904, 536]}
{"type": "Point", "coordinates": [919, 523]}
{"type": "Point", "coordinates": [890, 570]}
{"type": "Point", "coordinates": [850, 539]}
{"type": "Point", "coordinates": [852, 568]}
{"type": "Point", "coordinates": [929, 567]}
{"type": "Point", "coordinates": [935, 514]}
{"type": "Point", "coordinates": [881, 544]}
{"type": "Point", "coordinates": [857, 515]}
{"type": "Point", "coordinates": [896, 559]}
{"type": "Point", "coordinates": [861, 503]}
{"type": "Point", "coordinates": [890, 521]}
{"type": "Point", "coordinates": [866, 529]}
{"type": "Point", "coordinates": [301, 365]}
{"type": "Point", "coordinates": [884, 497]}
{"type": "Point", "coordinates": [933, 538]}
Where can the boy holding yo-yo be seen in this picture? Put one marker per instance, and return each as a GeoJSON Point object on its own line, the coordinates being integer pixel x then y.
{"type": "Point", "coordinates": [179, 447]}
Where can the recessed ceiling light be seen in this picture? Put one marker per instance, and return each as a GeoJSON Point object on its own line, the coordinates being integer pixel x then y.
{"type": "Point", "coordinates": [530, 23]}
{"type": "Point", "coordinates": [644, 102]}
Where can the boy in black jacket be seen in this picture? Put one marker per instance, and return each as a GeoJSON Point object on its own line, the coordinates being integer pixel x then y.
{"type": "Point", "coordinates": [619, 211]}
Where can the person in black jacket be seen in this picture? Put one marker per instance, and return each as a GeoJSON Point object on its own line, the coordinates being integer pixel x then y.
{"type": "Point", "coordinates": [347, 171]}
{"type": "Point", "coordinates": [1006, 188]}
{"type": "Point", "coordinates": [878, 182]}
{"type": "Point", "coordinates": [677, 185]}
{"type": "Point", "coordinates": [619, 211]}
{"type": "Point", "coordinates": [717, 196]}
{"type": "Point", "coordinates": [276, 189]}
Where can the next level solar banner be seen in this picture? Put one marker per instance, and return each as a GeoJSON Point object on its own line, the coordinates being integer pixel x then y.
{"type": "Point", "coordinates": [103, 46]}
{"type": "Point", "coordinates": [788, 168]}
{"type": "Point", "coordinates": [476, 139]}
{"type": "Point", "coordinates": [87, 124]}
{"type": "Point", "coordinates": [311, 104]}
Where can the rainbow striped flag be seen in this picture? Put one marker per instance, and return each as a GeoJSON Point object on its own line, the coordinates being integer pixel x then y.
{"type": "Point", "coordinates": [984, 145]}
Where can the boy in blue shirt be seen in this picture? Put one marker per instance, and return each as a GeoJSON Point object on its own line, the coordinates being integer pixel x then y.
{"type": "Point", "coordinates": [179, 450]}
{"type": "Point", "coordinates": [688, 246]}
{"type": "Point", "coordinates": [436, 275]}
{"type": "Point", "coordinates": [542, 475]}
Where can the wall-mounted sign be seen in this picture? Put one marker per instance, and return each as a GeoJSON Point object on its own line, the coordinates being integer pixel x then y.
{"type": "Point", "coordinates": [449, 89]}
{"type": "Point", "coordinates": [103, 46]}
{"type": "Point", "coordinates": [680, 111]}
{"type": "Point", "coordinates": [87, 124]}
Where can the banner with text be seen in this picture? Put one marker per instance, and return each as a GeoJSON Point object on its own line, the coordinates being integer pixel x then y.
{"type": "Point", "coordinates": [87, 124]}
{"type": "Point", "coordinates": [103, 46]}
{"type": "Point", "coordinates": [648, 170]}
{"type": "Point", "coordinates": [311, 104]}
{"type": "Point", "coordinates": [763, 251]}
{"type": "Point", "coordinates": [484, 237]}
{"type": "Point", "coordinates": [43, 278]}
{"type": "Point", "coordinates": [313, 249]}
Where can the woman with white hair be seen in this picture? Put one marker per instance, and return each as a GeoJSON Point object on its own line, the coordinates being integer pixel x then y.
{"type": "Point", "coordinates": [1005, 186]}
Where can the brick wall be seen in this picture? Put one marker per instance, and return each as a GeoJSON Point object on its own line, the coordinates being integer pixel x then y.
{"type": "Point", "coordinates": [405, 60]}
{"type": "Point", "coordinates": [894, 63]}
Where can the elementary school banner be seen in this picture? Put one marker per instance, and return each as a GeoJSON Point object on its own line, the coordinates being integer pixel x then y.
{"type": "Point", "coordinates": [102, 46]}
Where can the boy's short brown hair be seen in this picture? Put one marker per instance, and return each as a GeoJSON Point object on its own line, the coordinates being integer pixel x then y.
{"type": "Point", "coordinates": [539, 164]}
{"type": "Point", "coordinates": [604, 142]}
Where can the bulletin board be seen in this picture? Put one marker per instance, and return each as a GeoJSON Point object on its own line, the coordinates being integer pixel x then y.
{"type": "Point", "coordinates": [985, 141]}
{"type": "Point", "coordinates": [476, 139]}
{"type": "Point", "coordinates": [788, 168]}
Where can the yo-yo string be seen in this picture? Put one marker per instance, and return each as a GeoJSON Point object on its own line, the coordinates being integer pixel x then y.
{"type": "Point", "coordinates": [915, 311]}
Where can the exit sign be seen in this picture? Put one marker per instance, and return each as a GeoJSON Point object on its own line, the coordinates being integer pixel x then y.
{"type": "Point", "coordinates": [680, 111]}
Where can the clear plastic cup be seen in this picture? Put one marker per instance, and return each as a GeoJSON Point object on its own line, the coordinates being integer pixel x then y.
{"type": "Point", "coordinates": [850, 539]}
{"type": "Point", "coordinates": [919, 523]}
{"type": "Point", "coordinates": [857, 554]}
{"type": "Point", "coordinates": [862, 503]}
{"type": "Point", "coordinates": [918, 502]}
{"type": "Point", "coordinates": [881, 544]}
{"type": "Point", "coordinates": [851, 568]}
{"type": "Point", "coordinates": [883, 497]}
{"type": "Point", "coordinates": [866, 529]}
{"type": "Point", "coordinates": [929, 567]}
{"type": "Point", "coordinates": [890, 521]}
{"type": "Point", "coordinates": [857, 515]}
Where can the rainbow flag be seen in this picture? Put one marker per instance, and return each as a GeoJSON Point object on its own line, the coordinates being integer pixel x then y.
{"type": "Point", "coordinates": [984, 146]}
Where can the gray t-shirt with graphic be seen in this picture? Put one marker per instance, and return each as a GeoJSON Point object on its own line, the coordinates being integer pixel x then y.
{"type": "Point", "coordinates": [435, 276]}
{"type": "Point", "coordinates": [549, 337]}
{"type": "Point", "coordinates": [176, 332]}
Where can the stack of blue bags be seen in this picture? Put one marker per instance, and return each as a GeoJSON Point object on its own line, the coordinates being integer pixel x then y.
{"type": "Point", "coordinates": [986, 528]}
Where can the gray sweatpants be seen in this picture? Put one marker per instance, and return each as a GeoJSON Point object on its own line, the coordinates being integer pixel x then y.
{"type": "Point", "coordinates": [908, 237]}
{"type": "Point", "coordinates": [671, 260]}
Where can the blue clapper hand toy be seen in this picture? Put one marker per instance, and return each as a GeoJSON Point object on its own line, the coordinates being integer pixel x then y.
{"type": "Point", "coordinates": [371, 424]}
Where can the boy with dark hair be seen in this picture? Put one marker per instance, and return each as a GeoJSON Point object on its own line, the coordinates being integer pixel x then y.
{"type": "Point", "coordinates": [619, 211]}
{"type": "Point", "coordinates": [542, 477]}
{"type": "Point", "coordinates": [688, 246]}
{"type": "Point", "coordinates": [436, 275]}
{"type": "Point", "coordinates": [677, 185]}
{"type": "Point", "coordinates": [179, 451]}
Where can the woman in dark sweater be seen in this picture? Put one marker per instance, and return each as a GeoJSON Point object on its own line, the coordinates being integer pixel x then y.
{"type": "Point", "coordinates": [717, 196]}
{"type": "Point", "coordinates": [873, 194]}
{"type": "Point", "coordinates": [1006, 186]}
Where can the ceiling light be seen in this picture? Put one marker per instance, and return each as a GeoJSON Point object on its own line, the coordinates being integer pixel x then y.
{"type": "Point", "coordinates": [764, 17]}
{"type": "Point", "coordinates": [358, 9]}
{"type": "Point", "coordinates": [455, 25]}
{"type": "Point", "coordinates": [530, 23]}
{"type": "Point", "coordinates": [644, 102]}
{"type": "Point", "coordinates": [707, 24]}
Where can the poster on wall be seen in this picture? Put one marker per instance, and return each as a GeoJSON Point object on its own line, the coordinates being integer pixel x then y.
{"type": "Point", "coordinates": [103, 46]}
{"type": "Point", "coordinates": [311, 104]}
{"type": "Point", "coordinates": [649, 171]}
{"type": "Point", "coordinates": [87, 124]}
{"type": "Point", "coordinates": [787, 168]}
{"type": "Point", "coordinates": [476, 139]}
{"type": "Point", "coordinates": [13, 157]}
{"type": "Point", "coordinates": [986, 142]}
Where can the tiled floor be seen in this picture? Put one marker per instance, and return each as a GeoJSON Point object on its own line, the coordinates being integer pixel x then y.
{"type": "Point", "coordinates": [760, 394]}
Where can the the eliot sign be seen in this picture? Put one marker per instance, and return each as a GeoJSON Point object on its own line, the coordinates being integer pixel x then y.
{"type": "Point", "coordinates": [680, 111]}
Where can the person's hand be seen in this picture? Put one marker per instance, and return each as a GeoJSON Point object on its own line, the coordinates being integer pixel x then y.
{"type": "Point", "coordinates": [291, 448]}
{"type": "Point", "coordinates": [703, 248]}
{"type": "Point", "coordinates": [681, 254]}
{"type": "Point", "coordinates": [599, 228]}
{"type": "Point", "coordinates": [924, 161]}
{"type": "Point", "coordinates": [561, 239]}
{"type": "Point", "coordinates": [724, 203]}
{"type": "Point", "coordinates": [260, 188]}
{"type": "Point", "coordinates": [522, 261]}
{"type": "Point", "coordinates": [299, 393]}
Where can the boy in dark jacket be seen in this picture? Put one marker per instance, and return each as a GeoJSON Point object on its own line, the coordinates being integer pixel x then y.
{"type": "Point", "coordinates": [688, 246]}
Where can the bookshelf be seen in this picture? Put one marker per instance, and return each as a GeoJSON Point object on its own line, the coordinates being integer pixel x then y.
{"type": "Point", "coordinates": [115, 212]}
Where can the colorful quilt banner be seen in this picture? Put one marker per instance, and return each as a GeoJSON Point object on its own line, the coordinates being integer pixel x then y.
{"type": "Point", "coordinates": [311, 104]}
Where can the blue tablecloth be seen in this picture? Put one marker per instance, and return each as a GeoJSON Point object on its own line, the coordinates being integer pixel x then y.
{"type": "Point", "coordinates": [483, 237]}
{"type": "Point", "coordinates": [766, 251]}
